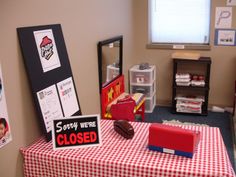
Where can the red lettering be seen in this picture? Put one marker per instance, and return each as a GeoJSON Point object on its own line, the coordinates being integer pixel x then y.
{"type": "Point", "coordinates": [73, 138]}
{"type": "Point", "coordinates": [86, 137]}
{"type": "Point", "coordinates": [66, 140]}
{"type": "Point", "coordinates": [93, 137]}
{"type": "Point", "coordinates": [60, 140]}
{"type": "Point", "coordinates": [80, 138]}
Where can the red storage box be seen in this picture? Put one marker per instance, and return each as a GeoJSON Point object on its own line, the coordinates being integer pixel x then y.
{"type": "Point", "coordinates": [173, 139]}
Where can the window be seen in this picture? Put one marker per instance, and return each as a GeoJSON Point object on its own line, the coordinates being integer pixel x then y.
{"type": "Point", "coordinates": [185, 22]}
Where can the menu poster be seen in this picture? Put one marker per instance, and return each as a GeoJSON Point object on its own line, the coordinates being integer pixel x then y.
{"type": "Point", "coordinates": [49, 105]}
{"type": "Point", "coordinates": [68, 97]}
{"type": "Point", "coordinates": [49, 72]}
{"type": "Point", "coordinates": [47, 49]}
{"type": "Point", "coordinates": [5, 130]}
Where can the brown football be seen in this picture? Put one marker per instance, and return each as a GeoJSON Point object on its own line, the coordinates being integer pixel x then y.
{"type": "Point", "coordinates": [124, 128]}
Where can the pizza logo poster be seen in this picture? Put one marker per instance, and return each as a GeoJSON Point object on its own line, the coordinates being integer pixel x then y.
{"type": "Point", "coordinates": [46, 47]}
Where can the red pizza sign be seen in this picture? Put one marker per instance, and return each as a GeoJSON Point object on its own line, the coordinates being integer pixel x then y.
{"type": "Point", "coordinates": [46, 48]}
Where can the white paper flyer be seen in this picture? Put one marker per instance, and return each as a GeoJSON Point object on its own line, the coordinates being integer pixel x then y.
{"type": "Point", "coordinates": [223, 18]}
{"type": "Point", "coordinates": [50, 106]}
{"type": "Point", "coordinates": [5, 130]}
{"type": "Point", "coordinates": [68, 96]}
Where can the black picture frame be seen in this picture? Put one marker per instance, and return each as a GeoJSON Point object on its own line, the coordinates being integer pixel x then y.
{"type": "Point", "coordinates": [38, 75]}
{"type": "Point", "coordinates": [100, 58]}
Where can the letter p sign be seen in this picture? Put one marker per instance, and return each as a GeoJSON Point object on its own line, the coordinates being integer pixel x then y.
{"type": "Point", "coordinates": [223, 17]}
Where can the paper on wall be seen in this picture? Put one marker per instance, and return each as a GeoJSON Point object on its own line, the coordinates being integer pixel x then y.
{"type": "Point", "coordinates": [5, 130]}
{"type": "Point", "coordinates": [68, 97]}
{"type": "Point", "coordinates": [223, 18]}
{"type": "Point", "coordinates": [226, 37]}
{"type": "Point", "coordinates": [49, 105]}
{"type": "Point", "coordinates": [231, 2]}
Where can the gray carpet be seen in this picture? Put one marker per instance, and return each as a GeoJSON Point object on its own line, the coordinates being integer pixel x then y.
{"type": "Point", "coordinates": [213, 119]}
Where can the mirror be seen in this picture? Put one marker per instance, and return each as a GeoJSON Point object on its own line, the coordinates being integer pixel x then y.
{"type": "Point", "coordinates": [109, 60]}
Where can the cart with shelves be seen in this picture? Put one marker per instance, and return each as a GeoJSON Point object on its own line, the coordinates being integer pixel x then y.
{"type": "Point", "coordinates": [190, 90]}
{"type": "Point", "coordinates": [144, 81]}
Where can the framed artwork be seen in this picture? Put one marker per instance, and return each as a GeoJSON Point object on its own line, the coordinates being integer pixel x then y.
{"type": "Point", "coordinates": [49, 73]}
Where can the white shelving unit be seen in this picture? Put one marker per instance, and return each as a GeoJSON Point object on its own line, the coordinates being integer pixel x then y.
{"type": "Point", "coordinates": [144, 81]}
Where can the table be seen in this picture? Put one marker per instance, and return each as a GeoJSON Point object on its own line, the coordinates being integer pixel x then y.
{"type": "Point", "coordinates": [120, 157]}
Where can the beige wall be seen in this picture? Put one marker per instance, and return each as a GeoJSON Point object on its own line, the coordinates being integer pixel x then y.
{"type": "Point", "coordinates": [84, 23]}
{"type": "Point", "coordinates": [223, 70]}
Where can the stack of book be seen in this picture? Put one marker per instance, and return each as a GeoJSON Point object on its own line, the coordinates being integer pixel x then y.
{"type": "Point", "coordinates": [183, 79]}
{"type": "Point", "coordinates": [189, 104]}
{"type": "Point", "coordinates": [186, 79]}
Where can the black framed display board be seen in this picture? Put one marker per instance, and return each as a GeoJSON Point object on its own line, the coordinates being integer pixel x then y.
{"type": "Point", "coordinates": [49, 73]}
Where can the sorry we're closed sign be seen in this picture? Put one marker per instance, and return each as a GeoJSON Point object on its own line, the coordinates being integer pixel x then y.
{"type": "Point", "coordinates": [78, 131]}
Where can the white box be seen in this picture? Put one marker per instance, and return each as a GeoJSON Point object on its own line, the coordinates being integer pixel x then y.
{"type": "Point", "coordinates": [142, 76]}
{"type": "Point", "coordinates": [150, 103]}
{"type": "Point", "coordinates": [147, 89]}
{"type": "Point", "coordinates": [112, 72]}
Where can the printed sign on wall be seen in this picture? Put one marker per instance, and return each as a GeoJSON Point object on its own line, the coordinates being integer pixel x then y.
{"type": "Point", "coordinates": [77, 131]}
{"type": "Point", "coordinates": [47, 49]}
{"type": "Point", "coordinates": [223, 17]}
{"type": "Point", "coordinates": [225, 37]}
{"type": "Point", "coordinates": [5, 130]}
{"type": "Point", "coordinates": [231, 2]}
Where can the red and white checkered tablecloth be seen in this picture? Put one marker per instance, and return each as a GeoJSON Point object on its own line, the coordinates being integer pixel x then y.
{"type": "Point", "coordinates": [120, 157]}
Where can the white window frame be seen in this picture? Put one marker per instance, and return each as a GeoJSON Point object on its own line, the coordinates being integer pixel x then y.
{"type": "Point", "coordinates": [176, 45]}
